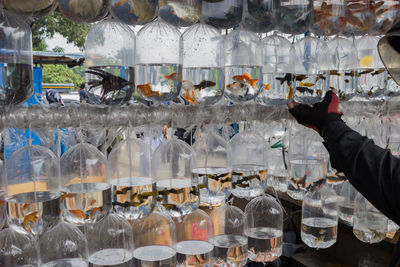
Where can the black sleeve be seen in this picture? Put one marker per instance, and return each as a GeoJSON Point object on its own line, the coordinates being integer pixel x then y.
{"type": "Point", "coordinates": [372, 170]}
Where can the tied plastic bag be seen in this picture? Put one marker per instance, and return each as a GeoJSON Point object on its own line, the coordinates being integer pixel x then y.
{"type": "Point", "coordinates": [222, 14]}
{"type": "Point", "coordinates": [32, 9]}
{"type": "Point", "coordinates": [134, 12]}
{"type": "Point", "coordinates": [83, 11]}
{"type": "Point", "coordinates": [180, 13]}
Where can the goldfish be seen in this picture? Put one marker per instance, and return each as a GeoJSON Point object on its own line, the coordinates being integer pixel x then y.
{"type": "Point", "coordinates": [291, 92]}
{"type": "Point", "coordinates": [190, 97]}
{"type": "Point", "coordinates": [267, 86]}
{"type": "Point", "coordinates": [147, 90]}
{"type": "Point", "coordinates": [25, 206]}
{"type": "Point", "coordinates": [307, 84]}
{"type": "Point", "coordinates": [2, 202]}
{"type": "Point", "coordinates": [174, 76]}
{"type": "Point", "coordinates": [120, 3]}
{"type": "Point", "coordinates": [94, 212]}
{"type": "Point", "coordinates": [30, 218]}
{"type": "Point", "coordinates": [65, 196]}
{"type": "Point", "coordinates": [245, 78]}
{"type": "Point", "coordinates": [319, 92]}
{"type": "Point", "coordinates": [78, 214]}
{"type": "Point", "coordinates": [236, 88]}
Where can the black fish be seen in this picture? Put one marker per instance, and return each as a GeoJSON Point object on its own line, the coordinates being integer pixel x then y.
{"type": "Point", "coordinates": [352, 73]}
{"type": "Point", "coordinates": [377, 72]}
{"type": "Point", "coordinates": [222, 178]}
{"type": "Point", "coordinates": [303, 89]}
{"type": "Point", "coordinates": [320, 77]}
{"type": "Point", "coordinates": [287, 78]}
{"type": "Point", "coordinates": [301, 77]}
{"type": "Point", "coordinates": [242, 182]}
{"type": "Point", "coordinates": [204, 84]}
{"type": "Point", "coordinates": [366, 71]}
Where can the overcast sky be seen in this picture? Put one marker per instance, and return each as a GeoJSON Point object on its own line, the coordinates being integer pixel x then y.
{"type": "Point", "coordinates": [60, 41]}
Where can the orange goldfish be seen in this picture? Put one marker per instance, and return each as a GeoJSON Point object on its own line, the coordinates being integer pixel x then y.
{"type": "Point", "coordinates": [25, 206]}
{"type": "Point", "coordinates": [78, 214]}
{"type": "Point", "coordinates": [94, 212]}
{"type": "Point", "coordinates": [236, 88]}
{"type": "Point", "coordinates": [147, 90]}
{"type": "Point", "coordinates": [174, 76]}
{"type": "Point", "coordinates": [120, 3]}
{"type": "Point", "coordinates": [190, 97]}
{"type": "Point", "coordinates": [64, 196]}
{"type": "Point", "coordinates": [267, 86]}
{"type": "Point", "coordinates": [291, 92]}
{"type": "Point", "coordinates": [31, 217]}
{"type": "Point", "coordinates": [245, 77]}
{"type": "Point", "coordinates": [2, 202]}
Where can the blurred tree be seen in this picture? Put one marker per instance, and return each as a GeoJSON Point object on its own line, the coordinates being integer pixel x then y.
{"type": "Point", "coordinates": [47, 27]}
{"type": "Point", "coordinates": [63, 74]}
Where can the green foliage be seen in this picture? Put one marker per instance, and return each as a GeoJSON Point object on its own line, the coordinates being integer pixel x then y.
{"type": "Point", "coordinates": [58, 49]}
{"type": "Point", "coordinates": [47, 27]}
{"type": "Point", "coordinates": [63, 74]}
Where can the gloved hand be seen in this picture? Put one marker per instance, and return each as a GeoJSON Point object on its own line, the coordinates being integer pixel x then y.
{"type": "Point", "coordinates": [318, 116]}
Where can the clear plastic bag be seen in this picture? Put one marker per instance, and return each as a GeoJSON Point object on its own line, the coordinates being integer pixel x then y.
{"type": "Point", "coordinates": [260, 16]}
{"type": "Point", "coordinates": [16, 59]}
{"type": "Point", "coordinates": [329, 17]}
{"type": "Point", "coordinates": [264, 229]}
{"type": "Point", "coordinates": [346, 203]}
{"type": "Point", "coordinates": [32, 8]}
{"type": "Point", "coordinates": [222, 14]}
{"type": "Point", "coordinates": [295, 16]}
{"type": "Point", "coordinates": [360, 17]}
{"type": "Point", "coordinates": [109, 53]}
{"type": "Point", "coordinates": [83, 11]}
{"type": "Point", "coordinates": [181, 13]}
{"type": "Point", "coordinates": [134, 12]}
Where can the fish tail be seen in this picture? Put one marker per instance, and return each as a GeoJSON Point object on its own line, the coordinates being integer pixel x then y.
{"type": "Point", "coordinates": [253, 82]}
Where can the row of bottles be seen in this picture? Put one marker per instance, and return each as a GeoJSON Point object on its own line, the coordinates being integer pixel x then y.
{"type": "Point", "coordinates": [323, 17]}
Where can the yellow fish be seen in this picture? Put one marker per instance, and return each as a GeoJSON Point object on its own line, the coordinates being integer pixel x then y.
{"type": "Point", "coordinates": [267, 86]}
{"type": "Point", "coordinates": [147, 90]}
{"type": "Point", "coordinates": [307, 84]}
{"type": "Point", "coordinates": [245, 77]}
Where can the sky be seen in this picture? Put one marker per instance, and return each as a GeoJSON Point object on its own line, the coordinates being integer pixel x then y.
{"type": "Point", "coordinates": [60, 41]}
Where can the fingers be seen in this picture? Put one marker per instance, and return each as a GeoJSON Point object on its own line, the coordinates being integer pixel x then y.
{"type": "Point", "coordinates": [292, 104]}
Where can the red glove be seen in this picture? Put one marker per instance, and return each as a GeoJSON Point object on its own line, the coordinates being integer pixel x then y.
{"type": "Point", "coordinates": [318, 116]}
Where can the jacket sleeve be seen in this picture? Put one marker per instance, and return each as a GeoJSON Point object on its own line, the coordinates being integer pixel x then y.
{"type": "Point", "coordinates": [372, 170]}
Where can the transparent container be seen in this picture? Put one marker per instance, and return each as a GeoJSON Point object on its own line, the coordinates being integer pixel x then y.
{"type": "Point", "coordinates": [370, 226]}
{"type": "Point", "coordinates": [346, 203]}
{"type": "Point", "coordinates": [371, 73]}
{"type": "Point", "coordinates": [392, 227]}
{"type": "Point", "coordinates": [63, 245]}
{"type": "Point", "coordinates": [134, 12]}
{"type": "Point", "coordinates": [155, 241]}
{"type": "Point", "coordinates": [86, 189]}
{"type": "Point", "coordinates": [33, 188]}
{"type": "Point", "coordinates": [393, 89]}
{"type": "Point", "coordinates": [34, 8]}
{"type": "Point", "coordinates": [3, 194]}
{"type": "Point", "coordinates": [310, 65]}
{"type": "Point", "coordinates": [110, 241]}
{"type": "Point", "coordinates": [260, 16]}
{"type": "Point", "coordinates": [180, 13]}
{"type": "Point", "coordinates": [360, 17]}
{"type": "Point", "coordinates": [109, 61]}
{"type": "Point", "coordinates": [319, 220]}
{"type": "Point", "coordinates": [222, 14]}
{"type": "Point", "coordinates": [194, 233]}
{"type": "Point", "coordinates": [249, 177]}
{"type": "Point", "coordinates": [171, 166]}
{"type": "Point", "coordinates": [230, 242]}
{"type": "Point", "coordinates": [386, 13]}
{"type": "Point", "coordinates": [18, 248]}
{"type": "Point", "coordinates": [134, 191]}
{"type": "Point", "coordinates": [158, 59]}
{"type": "Point", "coordinates": [295, 16]}
{"type": "Point", "coordinates": [213, 168]}
{"type": "Point", "coordinates": [278, 71]}
{"type": "Point", "coordinates": [203, 77]}
{"type": "Point", "coordinates": [264, 229]}
{"type": "Point", "coordinates": [393, 135]}
{"type": "Point", "coordinates": [243, 61]}
{"type": "Point", "coordinates": [329, 17]}
{"type": "Point", "coordinates": [84, 11]}
{"type": "Point", "coordinates": [16, 59]}
{"type": "Point", "coordinates": [342, 74]}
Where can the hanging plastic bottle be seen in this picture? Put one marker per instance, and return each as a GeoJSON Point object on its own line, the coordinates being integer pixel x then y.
{"type": "Point", "coordinates": [109, 61]}
{"type": "Point", "coordinates": [310, 66]}
{"type": "Point", "coordinates": [260, 16]}
{"type": "Point", "coordinates": [171, 166]}
{"type": "Point", "coordinates": [16, 59]}
{"type": "Point", "coordinates": [18, 248]}
{"type": "Point", "coordinates": [243, 61]}
{"type": "Point", "coordinates": [319, 220]}
{"type": "Point", "coordinates": [134, 12]}
{"type": "Point", "coordinates": [155, 241]}
{"type": "Point", "coordinates": [249, 177]}
{"type": "Point", "coordinates": [386, 13]}
{"type": "Point", "coordinates": [180, 13]}
{"type": "Point", "coordinates": [371, 73]}
{"type": "Point", "coordinates": [295, 16]}
{"type": "Point", "coordinates": [230, 242]}
{"type": "Point", "coordinates": [370, 226]}
{"type": "Point", "coordinates": [278, 71]}
{"type": "Point", "coordinates": [203, 78]}
{"type": "Point", "coordinates": [63, 245]}
{"type": "Point", "coordinates": [213, 168]}
{"type": "Point", "coordinates": [110, 241]}
{"type": "Point", "coordinates": [86, 189]}
{"type": "Point", "coordinates": [33, 188]}
{"type": "Point", "coordinates": [329, 17]}
{"type": "Point", "coordinates": [346, 203]}
{"type": "Point", "coordinates": [33, 9]}
{"type": "Point", "coordinates": [158, 59]}
{"type": "Point", "coordinates": [264, 229]}
{"type": "Point", "coordinates": [222, 14]}
{"type": "Point", "coordinates": [342, 74]}
{"type": "Point", "coordinates": [134, 190]}
{"type": "Point", "coordinates": [84, 11]}
{"type": "Point", "coordinates": [360, 17]}
{"type": "Point", "coordinates": [194, 239]}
